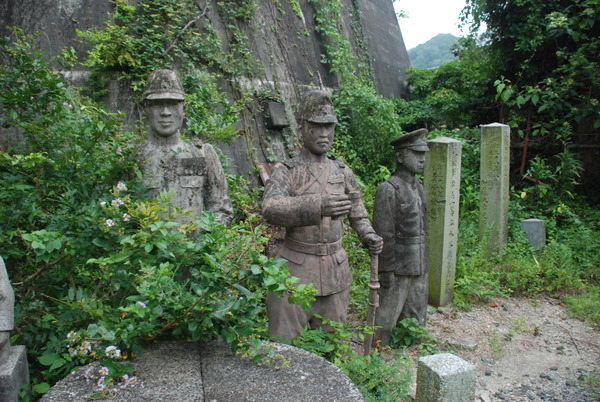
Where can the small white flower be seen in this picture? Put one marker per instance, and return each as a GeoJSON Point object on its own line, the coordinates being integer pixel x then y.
{"type": "Point", "coordinates": [141, 304]}
{"type": "Point", "coordinates": [110, 223]}
{"type": "Point", "coordinates": [116, 202]}
{"type": "Point", "coordinates": [112, 351]}
{"type": "Point", "coordinates": [103, 204]}
{"type": "Point", "coordinates": [126, 217]}
{"type": "Point", "coordinates": [121, 186]}
{"type": "Point", "coordinates": [103, 371]}
{"type": "Point", "coordinates": [85, 347]}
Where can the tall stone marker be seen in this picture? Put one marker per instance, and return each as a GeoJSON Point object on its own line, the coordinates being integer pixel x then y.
{"type": "Point", "coordinates": [442, 188]}
{"type": "Point", "coordinates": [493, 199]}
{"type": "Point", "coordinates": [14, 372]}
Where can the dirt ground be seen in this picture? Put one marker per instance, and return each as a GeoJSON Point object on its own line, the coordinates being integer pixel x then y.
{"type": "Point", "coordinates": [523, 349]}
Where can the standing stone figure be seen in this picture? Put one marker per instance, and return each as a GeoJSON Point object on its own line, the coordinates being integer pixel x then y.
{"type": "Point", "coordinates": [7, 311]}
{"type": "Point", "coordinates": [399, 217]}
{"type": "Point", "coordinates": [14, 371]}
{"type": "Point", "coordinates": [191, 168]}
{"type": "Point", "coordinates": [309, 195]}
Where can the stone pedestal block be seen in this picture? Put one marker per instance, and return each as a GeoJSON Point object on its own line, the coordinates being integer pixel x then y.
{"type": "Point", "coordinates": [442, 189]}
{"type": "Point", "coordinates": [536, 232]}
{"type": "Point", "coordinates": [493, 199]}
{"type": "Point", "coordinates": [445, 378]}
{"type": "Point", "coordinates": [14, 373]}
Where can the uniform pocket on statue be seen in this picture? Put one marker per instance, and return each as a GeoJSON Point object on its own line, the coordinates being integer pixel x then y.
{"type": "Point", "coordinates": [292, 256]}
{"type": "Point", "coordinates": [341, 256]}
{"type": "Point", "coordinates": [190, 181]}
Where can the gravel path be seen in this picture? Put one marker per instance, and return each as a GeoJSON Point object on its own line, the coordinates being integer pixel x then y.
{"type": "Point", "coordinates": [524, 349]}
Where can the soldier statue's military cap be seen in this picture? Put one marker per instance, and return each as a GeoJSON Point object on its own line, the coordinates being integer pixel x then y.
{"type": "Point", "coordinates": [414, 140]}
{"type": "Point", "coordinates": [317, 108]}
{"type": "Point", "coordinates": [163, 84]}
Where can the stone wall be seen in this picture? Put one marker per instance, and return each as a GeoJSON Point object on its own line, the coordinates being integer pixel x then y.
{"type": "Point", "coordinates": [286, 46]}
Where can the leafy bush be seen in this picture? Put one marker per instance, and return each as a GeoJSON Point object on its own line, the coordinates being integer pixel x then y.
{"type": "Point", "coordinates": [409, 332]}
{"type": "Point", "coordinates": [378, 379]}
{"type": "Point", "coordinates": [97, 266]}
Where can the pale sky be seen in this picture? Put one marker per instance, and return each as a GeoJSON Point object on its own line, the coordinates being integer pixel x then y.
{"type": "Point", "coordinates": [427, 18]}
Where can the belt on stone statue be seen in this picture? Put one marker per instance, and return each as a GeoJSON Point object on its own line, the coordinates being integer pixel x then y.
{"type": "Point", "coordinates": [410, 239]}
{"type": "Point", "coordinates": [314, 249]}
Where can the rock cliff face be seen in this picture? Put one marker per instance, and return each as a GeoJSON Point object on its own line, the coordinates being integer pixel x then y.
{"type": "Point", "coordinates": [282, 40]}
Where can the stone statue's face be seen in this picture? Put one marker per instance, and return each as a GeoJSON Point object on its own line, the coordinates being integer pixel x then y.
{"type": "Point", "coordinates": [411, 161]}
{"type": "Point", "coordinates": [165, 116]}
{"type": "Point", "coordinates": [318, 137]}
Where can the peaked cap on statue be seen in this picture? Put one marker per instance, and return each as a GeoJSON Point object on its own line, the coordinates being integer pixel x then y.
{"type": "Point", "coordinates": [317, 108]}
{"type": "Point", "coordinates": [163, 84]}
{"type": "Point", "coordinates": [414, 140]}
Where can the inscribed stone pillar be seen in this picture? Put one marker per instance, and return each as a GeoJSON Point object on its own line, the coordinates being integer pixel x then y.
{"type": "Point", "coordinates": [493, 199]}
{"type": "Point", "coordinates": [442, 189]}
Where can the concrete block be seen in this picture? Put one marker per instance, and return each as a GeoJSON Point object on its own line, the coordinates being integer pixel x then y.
{"type": "Point", "coordinates": [536, 232]}
{"type": "Point", "coordinates": [445, 378]}
{"type": "Point", "coordinates": [14, 373]}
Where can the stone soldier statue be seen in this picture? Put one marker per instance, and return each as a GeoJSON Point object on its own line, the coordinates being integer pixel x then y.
{"type": "Point", "coordinates": [14, 370]}
{"type": "Point", "coordinates": [309, 195]}
{"type": "Point", "coordinates": [399, 217]}
{"type": "Point", "coordinates": [7, 310]}
{"type": "Point", "coordinates": [191, 168]}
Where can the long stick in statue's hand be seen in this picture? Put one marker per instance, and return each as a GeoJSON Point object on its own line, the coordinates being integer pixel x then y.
{"type": "Point", "coordinates": [373, 302]}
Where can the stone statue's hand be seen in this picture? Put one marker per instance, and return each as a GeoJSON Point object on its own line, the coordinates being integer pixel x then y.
{"type": "Point", "coordinates": [374, 243]}
{"type": "Point", "coordinates": [335, 205]}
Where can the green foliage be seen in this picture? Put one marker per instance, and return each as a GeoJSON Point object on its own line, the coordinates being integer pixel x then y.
{"type": "Point", "coordinates": [331, 341]}
{"type": "Point", "coordinates": [367, 123]}
{"type": "Point", "coordinates": [433, 53]}
{"type": "Point", "coordinates": [545, 62]}
{"type": "Point", "coordinates": [367, 120]}
{"type": "Point", "coordinates": [409, 332]}
{"type": "Point", "coordinates": [586, 305]}
{"type": "Point", "coordinates": [378, 379]}
{"type": "Point", "coordinates": [94, 264]}
{"type": "Point", "coordinates": [454, 95]}
{"type": "Point", "coordinates": [155, 34]}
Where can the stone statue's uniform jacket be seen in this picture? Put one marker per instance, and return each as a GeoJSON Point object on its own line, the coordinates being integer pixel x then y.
{"type": "Point", "coordinates": [313, 244]}
{"type": "Point", "coordinates": [194, 171]}
{"type": "Point", "coordinates": [399, 217]}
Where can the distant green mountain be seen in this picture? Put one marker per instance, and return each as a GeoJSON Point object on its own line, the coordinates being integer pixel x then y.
{"type": "Point", "coordinates": [434, 52]}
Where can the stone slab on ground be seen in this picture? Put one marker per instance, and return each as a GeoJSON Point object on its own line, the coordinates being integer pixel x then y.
{"type": "Point", "coordinates": [14, 373]}
{"type": "Point", "coordinates": [170, 371]}
{"type": "Point", "coordinates": [180, 371]}
{"type": "Point", "coordinates": [308, 377]}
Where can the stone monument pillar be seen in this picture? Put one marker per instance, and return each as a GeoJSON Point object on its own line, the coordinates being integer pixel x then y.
{"type": "Point", "coordinates": [442, 190]}
{"type": "Point", "coordinates": [493, 199]}
{"type": "Point", "coordinates": [14, 372]}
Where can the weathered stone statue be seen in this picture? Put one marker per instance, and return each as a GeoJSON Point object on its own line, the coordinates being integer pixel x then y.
{"type": "Point", "coordinates": [399, 217]}
{"type": "Point", "coordinates": [191, 168]}
{"type": "Point", "coordinates": [310, 195]}
{"type": "Point", "coordinates": [14, 371]}
{"type": "Point", "coordinates": [7, 310]}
